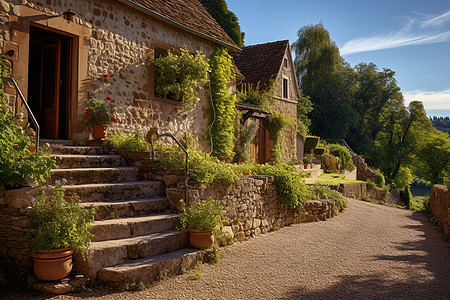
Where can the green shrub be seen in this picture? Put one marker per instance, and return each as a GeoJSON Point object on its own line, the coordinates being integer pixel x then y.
{"type": "Point", "coordinates": [203, 215]}
{"type": "Point", "coordinates": [346, 162]}
{"type": "Point", "coordinates": [179, 76]}
{"type": "Point", "coordinates": [292, 191]}
{"type": "Point", "coordinates": [129, 143]}
{"type": "Point", "coordinates": [60, 223]}
{"type": "Point", "coordinates": [323, 192]}
{"type": "Point", "coordinates": [379, 179]}
{"type": "Point", "coordinates": [16, 161]}
{"type": "Point", "coordinates": [311, 142]}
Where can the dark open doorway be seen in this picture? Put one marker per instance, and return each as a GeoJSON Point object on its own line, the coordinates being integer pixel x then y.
{"type": "Point", "coordinates": [49, 78]}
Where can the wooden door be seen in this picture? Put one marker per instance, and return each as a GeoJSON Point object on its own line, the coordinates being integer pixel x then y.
{"type": "Point", "coordinates": [49, 88]}
{"type": "Point", "coordinates": [258, 147]}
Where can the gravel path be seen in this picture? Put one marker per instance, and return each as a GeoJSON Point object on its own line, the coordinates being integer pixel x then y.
{"type": "Point", "coordinates": [368, 252]}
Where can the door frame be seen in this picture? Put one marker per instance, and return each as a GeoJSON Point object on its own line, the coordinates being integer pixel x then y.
{"type": "Point", "coordinates": [80, 80]}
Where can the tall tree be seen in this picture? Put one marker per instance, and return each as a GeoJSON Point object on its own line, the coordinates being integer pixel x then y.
{"type": "Point", "coordinates": [320, 71]}
{"type": "Point", "coordinates": [372, 91]}
{"type": "Point", "coordinates": [398, 140]}
{"type": "Point", "coordinates": [218, 9]}
{"type": "Point", "coordinates": [434, 157]}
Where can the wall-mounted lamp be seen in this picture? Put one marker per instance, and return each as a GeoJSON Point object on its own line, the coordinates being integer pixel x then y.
{"type": "Point", "coordinates": [69, 15]}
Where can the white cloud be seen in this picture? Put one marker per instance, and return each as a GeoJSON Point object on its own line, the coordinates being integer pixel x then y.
{"type": "Point", "coordinates": [434, 100]}
{"type": "Point", "coordinates": [415, 32]}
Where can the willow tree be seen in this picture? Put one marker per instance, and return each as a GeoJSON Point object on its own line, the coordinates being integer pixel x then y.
{"type": "Point", "coordinates": [320, 71]}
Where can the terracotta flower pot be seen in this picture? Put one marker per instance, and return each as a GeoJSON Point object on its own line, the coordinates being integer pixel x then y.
{"type": "Point", "coordinates": [201, 238]}
{"type": "Point", "coordinates": [98, 131]}
{"type": "Point", "coordinates": [54, 264]}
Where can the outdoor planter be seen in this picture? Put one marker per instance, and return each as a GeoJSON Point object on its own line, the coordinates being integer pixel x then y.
{"type": "Point", "coordinates": [201, 238]}
{"type": "Point", "coordinates": [98, 131]}
{"type": "Point", "coordinates": [54, 264]}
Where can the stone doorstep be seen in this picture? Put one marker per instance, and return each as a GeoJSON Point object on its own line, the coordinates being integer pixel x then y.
{"type": "Point", "coordinates": [68, 161]}
{"type": "Point", "coordinates": [62, 286]}
{"type": "Point", "coordinates": [149, 269]}
{"type": "Point", "coordinates": [116, 191]}
{"type": "Point", "coordinates": [114, 252]}
{"type": "Point", "coordinates": [79, 150]}
{"type": "Point", "coordinates": [127, 208]}
{"type": "Point", "coordinates": [133, 226]}
{"type": "Point", "coordinates": [95, 175]}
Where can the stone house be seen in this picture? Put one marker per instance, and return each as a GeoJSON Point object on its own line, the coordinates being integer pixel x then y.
{"type": "Point", "coordinates": [264, 65]}
{"type": "Point", "coordinates": [62, 50]}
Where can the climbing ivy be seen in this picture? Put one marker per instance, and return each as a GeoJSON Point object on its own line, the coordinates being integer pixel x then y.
{"type": "Point", "coordinates": [222, 130]}
{"type": "Point", "coordinates": [179, 76]}
{"type": "Point", "coordinates": [278, 120]}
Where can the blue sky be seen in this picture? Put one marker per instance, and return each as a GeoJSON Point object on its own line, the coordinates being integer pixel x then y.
{"type": "Point", "coordinates": [410, 37]}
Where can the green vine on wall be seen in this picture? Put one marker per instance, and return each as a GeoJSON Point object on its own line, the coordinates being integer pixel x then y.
{"type": "Point", "coordinates": [278, 120]}
{"type": "Point", "coordinates": [222, 131]}
{"type": "Point", "coordinates": [179, 76]}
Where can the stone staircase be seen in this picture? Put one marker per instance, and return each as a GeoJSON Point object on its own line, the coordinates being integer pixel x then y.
{"type": "Point", "coordinates": [134, 231]}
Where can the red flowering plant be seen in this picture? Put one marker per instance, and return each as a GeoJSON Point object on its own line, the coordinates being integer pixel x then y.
{"type": "Point", "coordinates": [96, 112]}
{"type": "Point", "coordinates": [331, 163]}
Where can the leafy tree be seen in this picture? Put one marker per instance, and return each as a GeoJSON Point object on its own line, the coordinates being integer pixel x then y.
{"type": "Point", "coordinates": [304, 107]}
{"type": "Point", "coordinates": [372, 90]}
{"type": "Point", "coordinates": [400, 136]}
{"type": "Point", "coordinates": [218, 9]}
{"type": "Point", "coordinates": [320, 71]}
{"type": "Point", "coordinates": [434, 157]}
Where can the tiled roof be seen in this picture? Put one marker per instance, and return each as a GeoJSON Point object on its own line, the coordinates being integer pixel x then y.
{"type": "Point", "coordinates": [261, 63]}
{"type": "Point", "coordinates": [189, 13]}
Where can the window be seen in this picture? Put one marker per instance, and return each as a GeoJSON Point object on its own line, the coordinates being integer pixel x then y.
{"type": "Point", "coordinates": [285, 88]}
{"type": "Point", "coordinates": [285, 64]}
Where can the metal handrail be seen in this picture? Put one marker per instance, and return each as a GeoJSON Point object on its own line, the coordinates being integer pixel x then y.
{"type": "Point", "coordinates": [30, 113]}
{"type": "Point", "coordinates": [186, 169]}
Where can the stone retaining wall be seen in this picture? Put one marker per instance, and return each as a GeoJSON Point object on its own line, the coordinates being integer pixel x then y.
{"type": "Point", "coordinates": [361, 190]}
{"type": "Point", "coordinates": [440, 206]}
{"type": "Point", "coordinates": [252, 207]}
{"type": "Point", "coordinates": [15, 234]}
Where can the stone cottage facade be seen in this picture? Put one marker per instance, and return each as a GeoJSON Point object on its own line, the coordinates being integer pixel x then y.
{"type": "Point", "coordinates": [66, 51]}
{"type": "Point", "coordinates": [264, 65]}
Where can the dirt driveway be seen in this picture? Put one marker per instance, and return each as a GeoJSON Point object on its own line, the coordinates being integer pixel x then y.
{"type": "Point", "coordinates": [368, 252]}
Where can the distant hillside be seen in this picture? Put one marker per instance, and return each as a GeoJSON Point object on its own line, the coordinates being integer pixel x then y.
{"type": "Point", "coordinates": [441, 123]}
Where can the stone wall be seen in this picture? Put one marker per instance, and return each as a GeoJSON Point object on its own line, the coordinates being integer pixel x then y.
{"type": "Point", "coordinates": [15, 234]}
{"type": "Point", "coordinates": [364, 191]}
{"type": "Point", "coordinates": [364, 172]}
{"type": "Point", "coordinates": [252, 207]}
{"type": "Point", "coordinates": [440, 206]}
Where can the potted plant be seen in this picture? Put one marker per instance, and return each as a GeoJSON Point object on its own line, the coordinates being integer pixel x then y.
{"type": "Point", "coordinates": [97, 116]}
{"type": "Point", "coordinates": [201, 219]}
{"type": "Point", "coordinates": [60, 227]}
{"type": "Point", "coordinates": [306, 161]}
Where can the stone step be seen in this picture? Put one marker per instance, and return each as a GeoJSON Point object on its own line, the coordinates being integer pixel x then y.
{"type": "Point", "coordinates": [72, 161]}
{"type": "Point", "coordinates": [104, 192]}
{"type": "Point", "coordinates": [133, 226]}
{"type": "Point", "coordinates": [80, 150]}
{"type": "Point", "coordinates": [114, 252]}
{"type": "Point", "coordinates": [147, 270]}
{"type": "Point", "coordinates": [94, 175]}
{"type": "Point", "coordinates": [54, 142]}
{"type": "Point", "coordinates": [127, 208]}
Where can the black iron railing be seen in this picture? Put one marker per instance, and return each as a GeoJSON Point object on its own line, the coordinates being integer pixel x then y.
{"type": "Point", "coordinates": [186, 169]}
{"type": "Point", "coordinates": [30, 113]}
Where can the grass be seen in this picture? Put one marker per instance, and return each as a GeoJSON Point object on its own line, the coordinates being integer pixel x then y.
{"type": "Point", "coordinates": [331, 179]}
